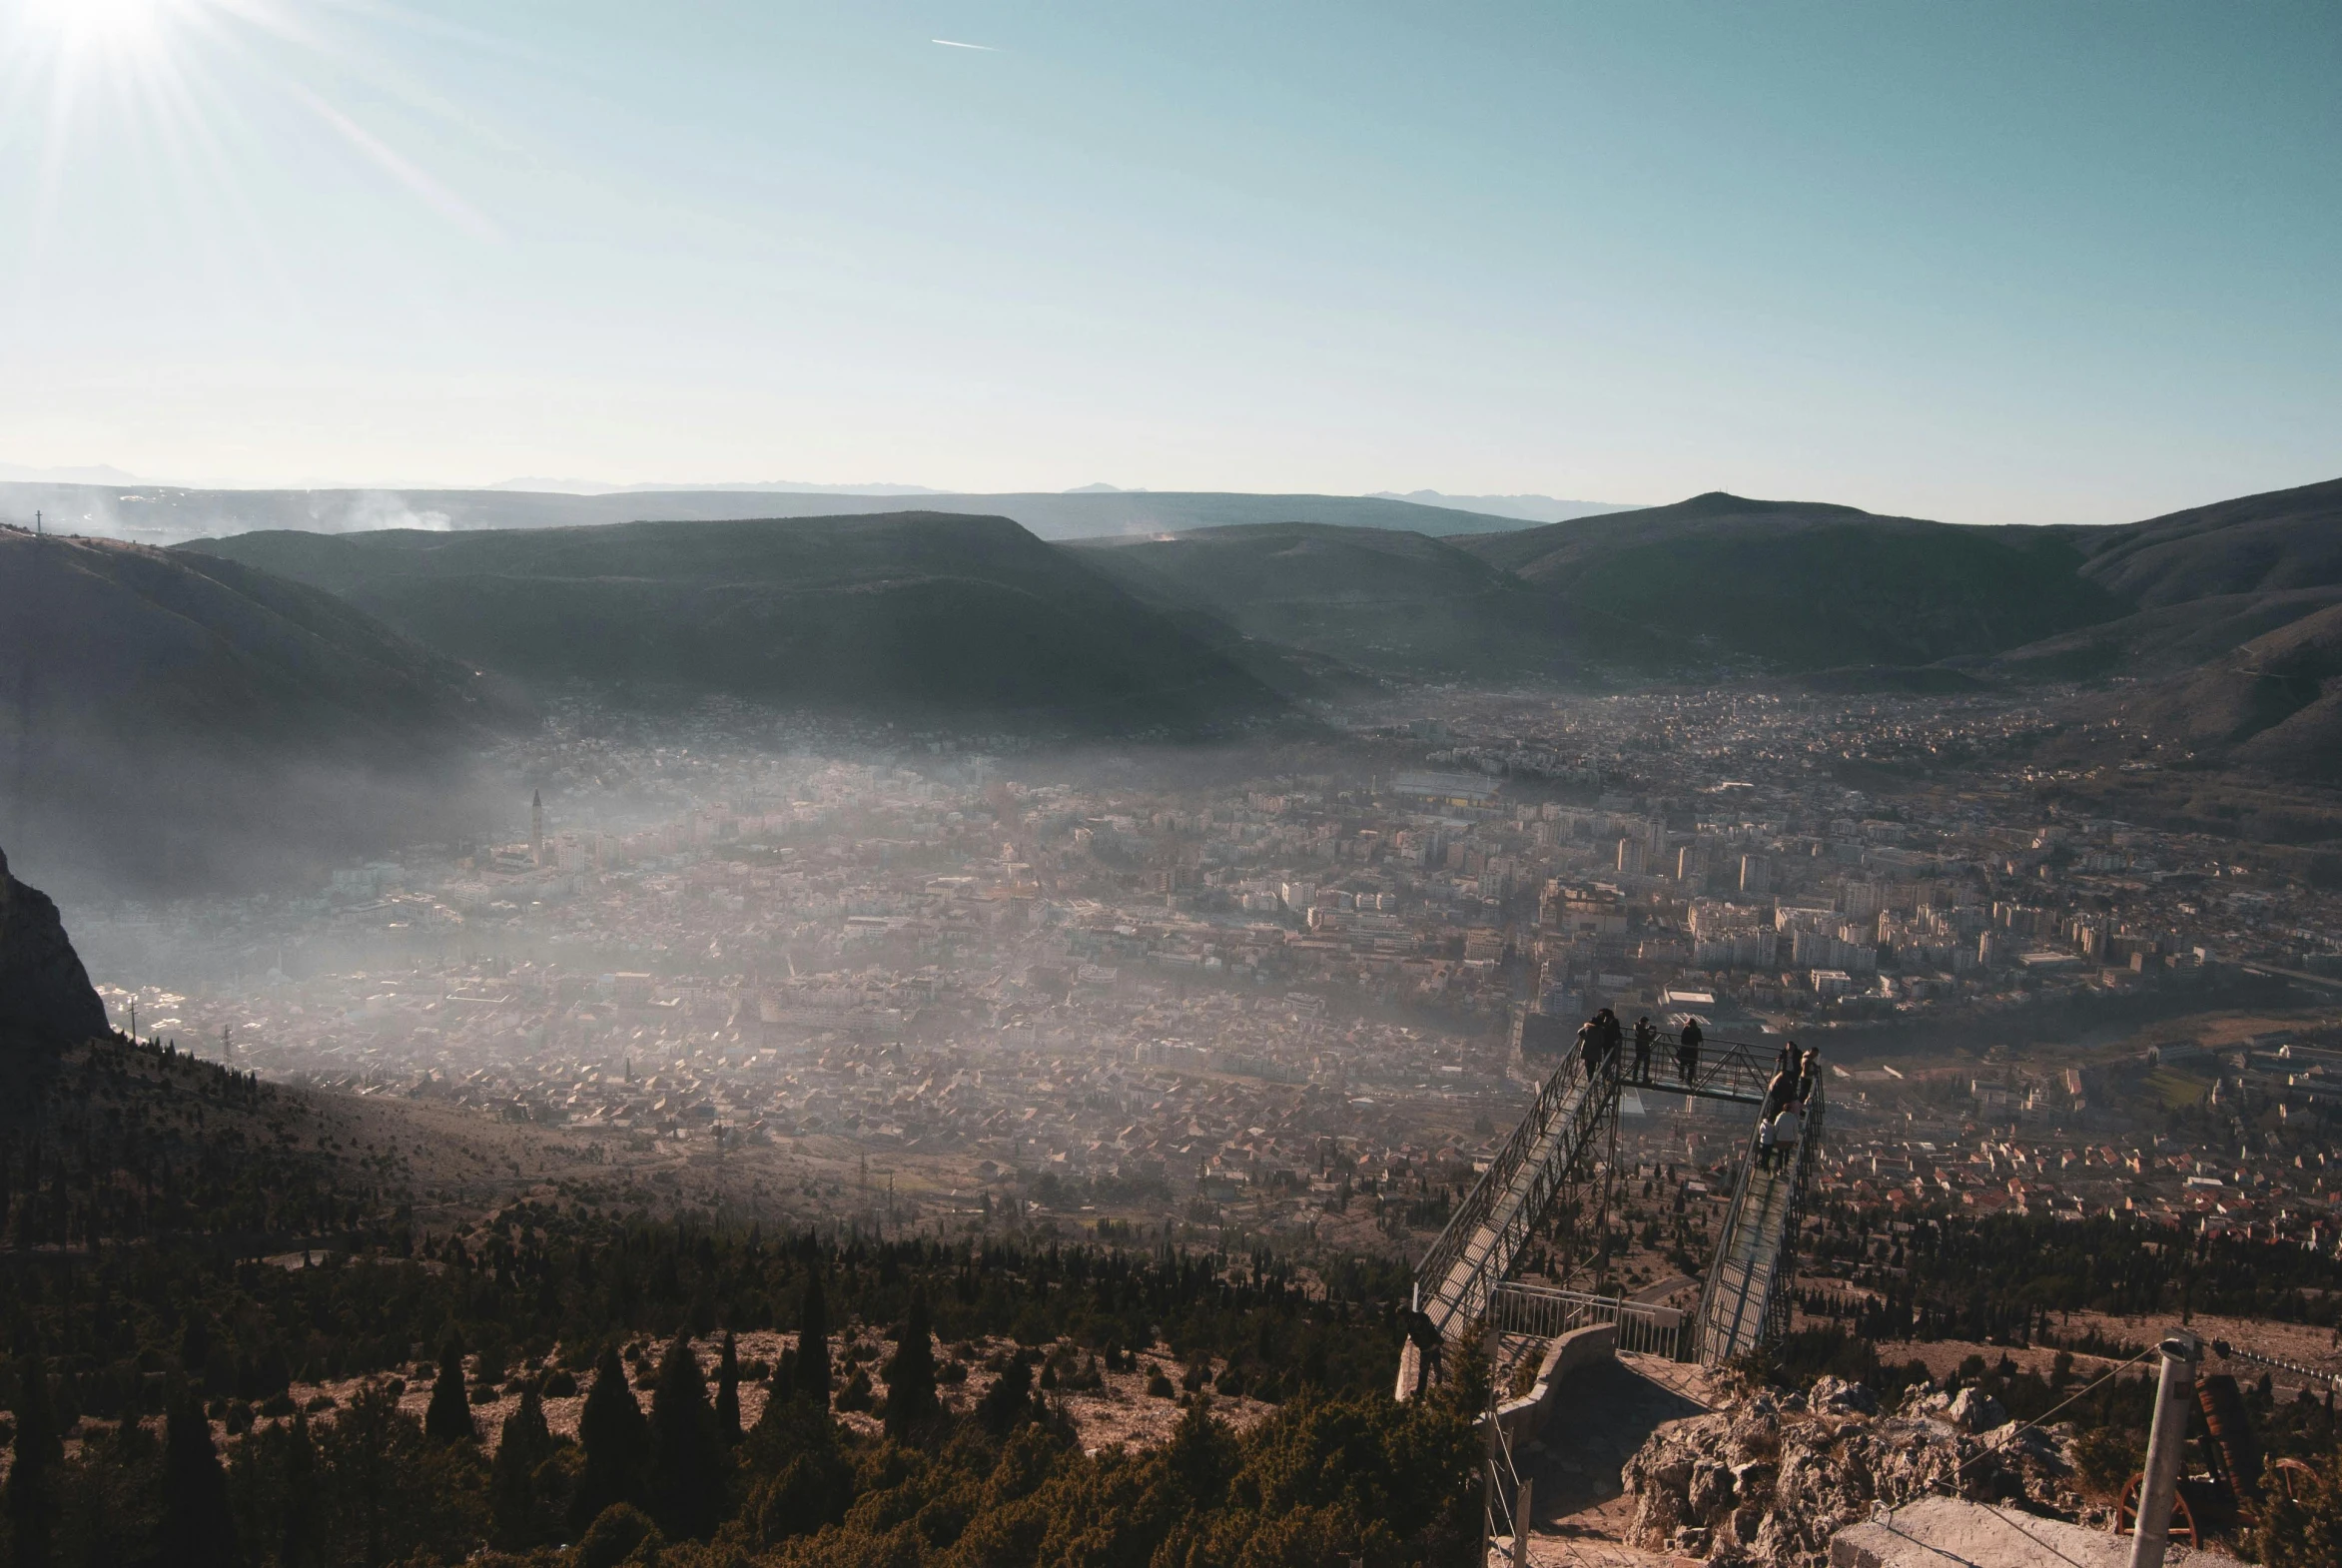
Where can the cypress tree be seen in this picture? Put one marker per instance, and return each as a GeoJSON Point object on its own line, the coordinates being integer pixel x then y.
{"type": "Point", "coordinates": [617, 1444]}
{"type": "Point", "coordinates": [909, 1373]}
{"type": "Point", "coordinates": [524, 1444]}
{"type": "Point", "coordinates": [199, 1530]}
{"type": "Point", "coordinates": [32, 1497]}
{"type": "Point", "coordinates": [728, 1392]}
{"type": "Point", "coordinates": [812, 1343]}
{"type": "Point", "coordinates": [688, 1461]}
{"type": "Point", "coordinates": [448, 1418]}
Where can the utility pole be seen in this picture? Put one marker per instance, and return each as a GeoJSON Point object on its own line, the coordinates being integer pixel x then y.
{"type": "Point", "coordinates": [2166, 1443]}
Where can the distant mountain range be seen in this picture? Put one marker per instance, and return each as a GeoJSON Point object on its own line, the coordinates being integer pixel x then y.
{"type": "Point", "coordinates": [164, 514]}
{"type": "Point", "coordinates": [2224, 612]}
{"type": "Point", "coordinates": [923, 618]}
{"type": "Point", "coordinates": [247, 698]}
{"type": "Point", "coordinates": [749, 486]}
{"type": "Point", "coordinates": [1526, 508]}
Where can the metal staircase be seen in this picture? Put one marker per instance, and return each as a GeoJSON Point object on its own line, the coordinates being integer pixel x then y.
{"type": "Point", "coordinates": [1485, 1235]}
{"type": "Point", "coordinates": [1745, 1299]}
{"type": "Point", "coordinates": [1569, 1139]}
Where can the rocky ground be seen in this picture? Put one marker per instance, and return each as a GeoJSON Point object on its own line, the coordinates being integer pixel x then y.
{"type": "Point", "coordinates": [1768, 1480]}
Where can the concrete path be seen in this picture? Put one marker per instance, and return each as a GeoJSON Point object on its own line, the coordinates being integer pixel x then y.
{"type": "Point", "coordinates": [1605, 1413]}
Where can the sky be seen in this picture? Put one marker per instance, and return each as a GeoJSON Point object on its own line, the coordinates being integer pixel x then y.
{"type": "Point", "coordinates": [1988, 262]}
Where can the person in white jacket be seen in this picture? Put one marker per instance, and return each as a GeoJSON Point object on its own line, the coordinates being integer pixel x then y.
{"type": "Point", "coordinates": [1786, 1127]}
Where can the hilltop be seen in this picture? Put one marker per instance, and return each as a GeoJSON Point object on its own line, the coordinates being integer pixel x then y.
{"type": "Point", "coordinates": [1809, 585]}
{"type": "Point", "coordinates": [2256, 545]}
{"type": "Point", "coordinates": [176, 718]}
{"type": "Point", "coordinates": [918, 616]}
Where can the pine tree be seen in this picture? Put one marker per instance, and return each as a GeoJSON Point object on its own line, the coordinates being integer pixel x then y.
{"type": "Point", "coordinates": [909, 1373]}
{"type": "Point", "coordinates": [687, 1462]}
{"type": "Point", "coordinates": [448, 1418]}
{"type": "Point", "coordinates": [524, 1444]}
{"type": "Point", "coordinates": [299, 1542]}
{"type": "Point", "coordinates": [32, 1495]}
{"type": "Point", "coordinates": [728, 1392]}
{"type": "Point", "coordinates": [812, 1343]}
{"type": "Point", "coordinates": [617, 1444]}
{"type": "Point", "coordinates": [199, 1531]}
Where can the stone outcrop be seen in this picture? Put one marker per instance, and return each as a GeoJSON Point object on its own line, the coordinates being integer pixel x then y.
{"type": "Point", "coordinates": [45, 993]}
{"type": "Point", "coordinates": [1770, 1479]}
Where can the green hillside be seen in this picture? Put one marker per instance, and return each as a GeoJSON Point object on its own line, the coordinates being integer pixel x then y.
{"type": "Point", "coordinates": [916, 615]}
{"type": "Point", "coordinates": [1396, 604]}
{"type": "Point", "coordinates": [1805, 586]}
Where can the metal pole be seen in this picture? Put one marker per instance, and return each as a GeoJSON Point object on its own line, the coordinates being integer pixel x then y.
{"type": "Point", "coordinates": [1491, 1342]}
{"type": "Point", "coordinates": [2167, 1441]}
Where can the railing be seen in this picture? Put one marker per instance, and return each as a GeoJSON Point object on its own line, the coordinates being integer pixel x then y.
{"type": "Point", "coordinates": [1445, 1252]}
{"type": "Point", "coordinates": [1777, 1296]}
{"type": "Point", "coordinates": [1643, 1328]}
{"type": "Point", "coordinates": [1568, 1094]}
{"type": "Point", "coordinates": [1710, 1289]}
{"type": "Point", "coordinates": [1732, 1070]}
{"type": "Point", "coordinates": [1715, 1344]}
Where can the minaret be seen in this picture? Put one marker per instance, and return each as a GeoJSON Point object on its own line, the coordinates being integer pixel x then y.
{"type": "Point", "coordinates": [536, 826]}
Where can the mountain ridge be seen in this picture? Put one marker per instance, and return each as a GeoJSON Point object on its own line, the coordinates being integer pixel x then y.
{"type": "Point", "coordinates": [921, 615]}
{"type": "Point", "coordinates": [172, 514]}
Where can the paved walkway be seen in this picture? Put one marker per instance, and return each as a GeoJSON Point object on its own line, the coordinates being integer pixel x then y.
{"type": "Point", "coordinates": [1606, 1411]}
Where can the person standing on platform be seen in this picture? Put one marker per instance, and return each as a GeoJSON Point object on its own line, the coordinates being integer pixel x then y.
{"type": "Point", "coordinates": [1687, 1052]}
{"type": "Point", "coordinates": [1645, 1036]}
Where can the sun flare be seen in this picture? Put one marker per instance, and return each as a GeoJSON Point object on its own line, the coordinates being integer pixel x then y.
{"type": "Point", "coordinates": [102, 24]}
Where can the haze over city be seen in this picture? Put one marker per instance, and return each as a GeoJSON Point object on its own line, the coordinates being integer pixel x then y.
{"type": "Point", "coordinates": [1226, 786]}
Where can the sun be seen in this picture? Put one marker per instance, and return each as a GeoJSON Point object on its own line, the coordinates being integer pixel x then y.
{"type": "Point", "coordinates": [103, 25]}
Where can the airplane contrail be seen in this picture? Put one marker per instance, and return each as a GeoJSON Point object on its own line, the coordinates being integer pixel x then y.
{"type": "Point", "coordinates": [953, 43]}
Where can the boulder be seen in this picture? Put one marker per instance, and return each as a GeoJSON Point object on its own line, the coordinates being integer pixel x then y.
{"type": "Point", "coordinates": [1973, 1410]}
{"type": "Point", "coordinates": [1837, 1396]}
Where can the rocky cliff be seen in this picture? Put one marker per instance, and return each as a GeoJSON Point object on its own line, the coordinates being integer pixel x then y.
{"type": "Point", "coordinates": [45, 993]}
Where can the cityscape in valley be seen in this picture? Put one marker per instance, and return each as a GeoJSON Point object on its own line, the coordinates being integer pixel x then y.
{"type": "Point", "coordinates": [1528, 786]}
{"type": "Point", "coordinates": [1245, 998]}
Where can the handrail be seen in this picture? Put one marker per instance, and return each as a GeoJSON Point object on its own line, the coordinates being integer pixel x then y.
{"type": "Point", "coordinates": [1711, 1287]}
{"type": "Point", "coordinates": [1547, 1312]}
{"type": "Point", "coordinates": [1772, 1305]}
{"type": "Point", "coordinates": [1776, 1296]}
{"type": "Point", "coordinates": [1737, 1070]}
{"type": "Point", "coordinates": [1473, 1213]}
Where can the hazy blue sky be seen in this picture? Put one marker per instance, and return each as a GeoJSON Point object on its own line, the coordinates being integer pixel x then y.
{"type": "Point", "coordinates": [2027, 262]}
